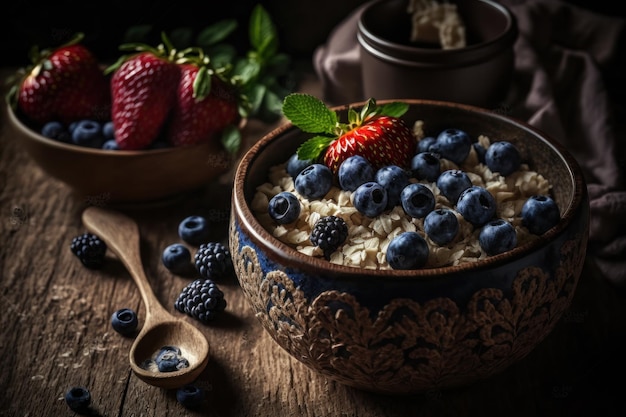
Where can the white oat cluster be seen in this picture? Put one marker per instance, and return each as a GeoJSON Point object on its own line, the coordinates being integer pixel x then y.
{"type": "Point", "coordinates": [437, 23]}
{"type": "Point", "coordinates": [368, 238]}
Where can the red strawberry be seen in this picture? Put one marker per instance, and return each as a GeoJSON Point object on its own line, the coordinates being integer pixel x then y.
{"type": "Point", "coordinates": [204, 106]}
{"type": "Point", "coordinates": [143, 90]}
{"type": "Point", "coordinates": [65, 84]}
{"type": "Point", "coordinates": [376, 132]}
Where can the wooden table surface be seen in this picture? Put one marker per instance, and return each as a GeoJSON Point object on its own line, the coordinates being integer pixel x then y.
{"type": "Point", "coordinates": [56, 333]}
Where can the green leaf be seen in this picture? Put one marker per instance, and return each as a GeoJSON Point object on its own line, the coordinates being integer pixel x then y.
{"type": "Point", "coordinates": [247, 70]}
{"type": "Point", "coordinates": [309, 113]}
{"type": "Point", "coordinates": [394, 109]}
{"type": "Point", "coordinates": [255, 97]}
{"type": "Point", "coordinates": [222, 54]}
{"type": "Point", "coordinates": [263, 35]}
{"type": "Point", "coordinates": [202, 84]}
{"type": "Point", "coordinates": [181, 37]}
{"type": "Point", "coordinates": [271, 108]}
{"type": "Point", "coordinates": [231, 139]}
{"type": "Point", "coordinates": [216, 32]}
{"type": "Point", "coordinates": [137, 34]}
{"type": "Point", "coordinates": [313, 147]}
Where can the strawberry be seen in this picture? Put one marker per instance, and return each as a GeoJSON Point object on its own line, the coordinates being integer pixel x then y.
{"type": "Point", "coordinates": [205, 105]}
{"type": "Point", "coordinates": [376, 132]}
{"type": "Point", "coordinates": [64, 84]}
{"type": "Point", "coordinates": [143, 90]}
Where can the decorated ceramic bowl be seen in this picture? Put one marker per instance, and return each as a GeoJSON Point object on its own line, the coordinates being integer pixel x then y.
{"type": "Point", "coordinates": [406, 331]}
{"type": "Point", "coordinates": [123, 177]}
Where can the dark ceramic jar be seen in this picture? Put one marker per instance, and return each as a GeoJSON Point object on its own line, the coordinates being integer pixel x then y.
{"type": "Point", "coordinates": [478, 74]}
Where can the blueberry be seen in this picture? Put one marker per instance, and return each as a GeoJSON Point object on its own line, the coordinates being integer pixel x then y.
{"type": "Point", "coordinates": [476, 205]}
{"type": "Point", "coordinates": [441, 226]}
{"type": "Point", "coordinates": [55, 130]}
{"type": "Point", "coordinates": [124, 321]}
{"type": "Point", "coordinates": [108, 131]}
{"type": "Point", "coordinates": [78, 399]}
{"type": "Point", "coordinates": [452, 144]}
{"type": "Point", "coordinates": [354, 171]}
{"type": "Point", "coordinates": [194, 230]}
{"type": "Point", "coordinates": [190, 396]}
{"type": "Point", "coordinates": [497, 236]}
{"type": "Point", "coordinates": [539, 214]}
{"type": "Point", "coordinates": [88, 133]}
{"type": "Point", "coordinates": [452, 183]}
{"type": "Point", "coordinates": [417, 200]}
{"type": "Point", "coordinates": [370, 199]}
{"type": "Point", "coordinates": [408, 250]}
{"type": "Point", "coordinates": [480, 151]}
{"type": "Point", "coordinates": [425, 166]}
{"type": "Point", "coordinates": [423, 145]}
{"type": "Point", "coordinates": [503, 157]}
{"type": "Point", "coordinates": [393, 179]}
{"type": "Point", "coordinates": [111, 145]}
{"type": "Point", "coordinates": [169, 359]}
{"type": "Point", "coordinates": [295, 165]}
{"type": "Point", "coordinates": [284, 207]}
{"type": "Point", "coordinates": [177, 258]}
{"type": "Point", "coordinates": [314, 181]}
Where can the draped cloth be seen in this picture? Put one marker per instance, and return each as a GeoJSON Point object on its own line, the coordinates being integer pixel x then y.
{"type": "Point", "coordinates": [560, 86]}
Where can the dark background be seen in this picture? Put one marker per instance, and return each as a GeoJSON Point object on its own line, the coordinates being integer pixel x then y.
{"type": "Point", "coordinates": [302, 24]}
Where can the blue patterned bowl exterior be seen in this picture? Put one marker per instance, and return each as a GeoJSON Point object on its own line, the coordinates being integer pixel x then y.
{"type": "Point", "coordinates": [400, 332]}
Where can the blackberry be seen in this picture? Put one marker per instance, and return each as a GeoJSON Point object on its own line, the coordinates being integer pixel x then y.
{"type": "Point", "coordinates": [201, 299]}
{"type": "Point", "coordinates": [329, 233]}
{"type": "Point", "coordinates": [89, 249]}
{"type": "Point", "coordinates": [212, 260]}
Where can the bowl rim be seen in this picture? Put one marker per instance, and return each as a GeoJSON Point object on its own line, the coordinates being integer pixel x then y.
{"type": "Point", "coordinates": [509, 34]}
{"type": "Point", "coordinates": [264, 239]}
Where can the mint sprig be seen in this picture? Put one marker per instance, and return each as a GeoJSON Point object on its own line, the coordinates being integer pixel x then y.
{"type": "Point", "coordinates": [311, 115]}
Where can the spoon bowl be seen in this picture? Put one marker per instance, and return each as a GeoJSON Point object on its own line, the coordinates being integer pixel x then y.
{"type": "Point", "coordinates": [160, 328]}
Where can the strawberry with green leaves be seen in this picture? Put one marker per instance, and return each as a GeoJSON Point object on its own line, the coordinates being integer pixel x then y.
{"type": "Point", "coordinates": [143, 90]}
{"type": "Point", "coordinates": [63, 84]}
{"type": "Point", "coordinates": [376, 132]}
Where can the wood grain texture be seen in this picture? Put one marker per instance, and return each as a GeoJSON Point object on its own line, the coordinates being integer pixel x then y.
{"type": "Point", "coordinates": [56, 333]}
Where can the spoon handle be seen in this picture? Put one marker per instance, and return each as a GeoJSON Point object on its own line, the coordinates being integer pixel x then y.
{"type": "Point", "coordinates": [121, 234]}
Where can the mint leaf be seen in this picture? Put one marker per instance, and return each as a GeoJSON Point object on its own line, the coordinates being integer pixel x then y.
{"type": "Point", "coordinates": [263, 35]}
{"type": "Point", "coordinates": [231, 139]}
{"type": "Point", "coordinates": [309, 113]}
{"type": "Point", "coordinates": [394, 109]}
{"type": "Point", "coordinates": [216, 32]}
{"type": "Point", "coordinates": [313, 147]}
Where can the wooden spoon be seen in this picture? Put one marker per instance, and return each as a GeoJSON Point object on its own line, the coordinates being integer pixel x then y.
{"type": "Point", "coordinates": [160, 328]}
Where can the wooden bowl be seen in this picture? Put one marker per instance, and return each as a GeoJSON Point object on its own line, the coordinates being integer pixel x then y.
{"type": "Point", "coordinates": [399, 331]}
{"type": "Point", "coordinates": [123, 177]}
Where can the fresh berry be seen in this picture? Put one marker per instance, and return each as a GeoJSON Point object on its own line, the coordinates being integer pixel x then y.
{"type": "Point", "coordinates": [201, 299]}
{"type": "Point", "coordinates": [177, 258]}
{"type": "Point", "coordinates": [370, 199]}
{"type": "Point", "coordinates": [452, 183]}
{"type": "Point", "coordinates": [108, 130]}
{"type": "Point", "coordinates": [453, 145]}
{"type": "Point", "coordinates": [480, 151]}
{"type": "Point", "coordinates": [124, 321]}
{"type": "Point", "coordinates": [295, 165]}
{"type": "Point", "coordinates": [539, 214]}
{"type": "Point", "coordinates": [417, 200]}
{"type": "Point", "coordinates": [353, 172]}
{"type": "Point", "coordinates": [503, 157]}
{"type": "Point", "coordinates": [284, 207]}
{"type": "Point", "coordinates": [376, 132]}
{"type": "Point", "coordinates": [111, 145]}
{"type": "Point", "coordinates": [190, 396]}
{"type": "Point", "coordinates": [497, 236]}
{"type": "Point", "coordinates": [88, 133]}
{"type": "Point", "coordinates": [425, 166]}
{"type": "Point", "coordinates": [213, 260]}
{"type": "Point", "coordinates": [169, 359]}
{"type": "Point", "coordinates": [55, 130]}
{"type": "Point", "coordinates": [78, 399]}
{"type": "Point", "coordinates": [408, 250]}
{"type": "Point", "coordinates": [63, 84]}
{"type": "Point", "coordinates": [424, 144]}
{"type": "Point", "coordinates": [90, 249]}
{"type": "Point", "coordinates": [314, 181]}
{"type": "Point", "coordinates": [441, 226]}
{"type": "Point", "coordinates": [393, 178]}
{"type": "Point", "coordinates": [143, 89]}
{"type": "Point", "coordinates": [476, 205]}
{"type": "Point", "coordinates": [205, 105]}
{"type": "Point", "coordinates": [194, 230]}
{"type": "Point", "coordinates": [329, 233]}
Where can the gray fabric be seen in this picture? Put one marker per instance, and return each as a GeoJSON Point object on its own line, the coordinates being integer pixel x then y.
{"type": "Point", "coordinates": [558, 87]}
